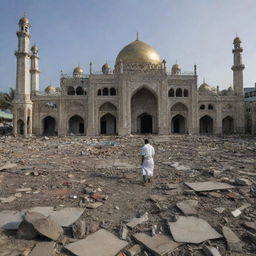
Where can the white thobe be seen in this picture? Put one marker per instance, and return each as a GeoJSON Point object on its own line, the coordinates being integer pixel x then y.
{"type": "Point", "coordinates": [148, 163]}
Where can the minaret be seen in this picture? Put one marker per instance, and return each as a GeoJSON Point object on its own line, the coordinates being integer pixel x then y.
{"type": "Point", "coordinates": [238, 68]}
{"type": "Point", "coordinates": [22, 105]}
{"type": "Point", "coordinates": [34, 70]}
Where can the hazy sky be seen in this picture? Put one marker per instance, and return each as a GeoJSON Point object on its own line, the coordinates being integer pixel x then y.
{"type": "Point", "coordinates": [69, 32]}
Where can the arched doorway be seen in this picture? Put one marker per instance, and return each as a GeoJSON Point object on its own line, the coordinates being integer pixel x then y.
{"type": "Point", "coordinates": [49, 126]}
{"type": "Point", "coordinates": [76, 125]}
{"type": "Point", "coordinates": [20, 127]}
{"type": "Point", "coordinates": [179, 114]}
{"type": "Point", "coordinates": [108, 124]}
{"type": "Point", "coordinates": [144, 112]}
{"type": "Point", "coordinates": [178, 124]}
{"type": "Point", "coordinates": [145, 123]}
{"type": "Point", "coordinates": [228, 125]}
{"type": "Point", "coordinates": [206, 125]}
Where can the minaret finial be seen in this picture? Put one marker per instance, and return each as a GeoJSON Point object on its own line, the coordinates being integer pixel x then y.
{"type": "Point", "coordinates": [204, 80]}
{"type": "Point", "coordinates": [137, 36]}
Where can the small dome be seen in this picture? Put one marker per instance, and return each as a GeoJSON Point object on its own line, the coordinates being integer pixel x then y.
{"type": "Point", "coordinates": [237, 40]}
{"type": "Point", "coordinates": [138, 52]}
{"type": "Point", "coordinates": [50, 89]}
{"type": "Point", "coordinates": [24, 20]}
{"type": "Point", "coordinates": [176, 69]}
{"type": "Point", "coordinates": [78, 70]}
{"type": "Point", "coordinates": [34, 49]}
{"type": "Point", "coordinates": [207, 89]}
{"type": "Point", "coordinates": [105, 68]}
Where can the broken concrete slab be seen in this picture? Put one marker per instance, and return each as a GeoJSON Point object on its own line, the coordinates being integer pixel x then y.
{"type": "Point", "coordinates": [67, 216]}
{"type": "Point", "coordinates": [7, 166]}
{"type": "Point", "coordinates": [35, 223]}
{"type": "Point", "coordinates": [188, 207]}
{"type": "Point", "coordinates": [159, 244]}
{"type": "Point", "coordinates": [101, 242]}
{"type": "Point", "coordinates": [123, 232]}
{"type": "Point", "coordinates": [136, 221]}
{"type": "Point", "coordinates": [208, 186]}
{"type": "Point", "coordinates": [233, 242]}
{"type": "Point", "coordinates": [251, 236]}
{"type": "Point", "coordinates": [182, 229]}
{"type": "Point", "coordinates": [134, 250]}
{"type": "Point", "coordinates": [251, 225]}
{"type": "Point", "coordinates": [6, 200]}
{"type": "Point", "coordinates": [26, 228]}
{"type": "Point", "coordinates": [219, 209]}
{"type": "Point", "coordinates": [180, 167]}
{"type": "Point", "coordinates": [48, 228]}
{"type": "Point", "coordinates": [243, 182]}
{"type": "Point", "coordinates": [23, 190]}
{"type": "Point", "coordinates": [93, 205]}
{"type": "Point", "coordinates": [239, 210]}
{"type": "Point", "coordinates": [211, 251]}
{"type": "Point", "coordinates": [10, 220]}
{"type": "Point", "coordinates": [64, 217]}
{"type": "Point", "coordinates": [157, 198]}
{"type": "Point", "coordinates": [43, 249]}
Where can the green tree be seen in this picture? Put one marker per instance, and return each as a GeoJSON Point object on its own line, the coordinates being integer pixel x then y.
{"type": "Point", "coordinates": [6, 99]}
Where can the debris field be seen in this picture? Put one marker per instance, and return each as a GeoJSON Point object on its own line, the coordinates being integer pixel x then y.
{"type": "Point", "coordinates": [84, 196]}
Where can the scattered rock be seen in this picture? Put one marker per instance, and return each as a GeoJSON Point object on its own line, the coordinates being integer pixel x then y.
{"type": "Point", "coordinates": [243, 182]}
{"type": "Point", "coordinates": [8, 166]}
{"type": "Point", "coordinates": [136, 221]}
{"type": "Point", "coordinates": [233, 242]}
{"type": "Point", "coordinates": [78, 229]}
{"type": "Point", "coordinates": [43, 249]}
{"type": "Point", "coordinates": [188, 207]}
{"type": "Point", "coordinates": [123, 232]}
{"type": "Point", "coordinates": [211, 251]}
{"type": "Point", "coordinates": [134, 250]}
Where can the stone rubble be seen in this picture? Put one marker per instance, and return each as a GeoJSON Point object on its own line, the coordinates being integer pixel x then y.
{"type": "Point", "coordinates": [88, 183]}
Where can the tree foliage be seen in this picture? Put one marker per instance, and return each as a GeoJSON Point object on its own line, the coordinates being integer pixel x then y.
{"type": "Point", "coordinates": [6, 99]}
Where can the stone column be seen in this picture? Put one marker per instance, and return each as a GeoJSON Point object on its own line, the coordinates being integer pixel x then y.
{"type": "Point", "coordinates": [194, 123]}
{"type": "Point", "coordinates": [218, 126]}
{"type": "Point", "coordinates": [91, 127]}
{"type": "Point", "coordinates": [163, 108]}
{"type": "Point", "coordinates": [62, 129]}
{"type": "Point", "coordinates": [124, 108]}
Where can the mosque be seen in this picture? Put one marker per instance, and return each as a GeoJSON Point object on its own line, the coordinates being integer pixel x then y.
{"type": "Point", "coordinates": [138, 96]}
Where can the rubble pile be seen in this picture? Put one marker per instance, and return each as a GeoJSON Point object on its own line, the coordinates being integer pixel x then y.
{"type": "Point", "coordinates": [84, 196]}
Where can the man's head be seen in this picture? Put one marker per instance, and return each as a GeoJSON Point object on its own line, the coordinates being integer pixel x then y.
{"type": "Point", "coordinates": [146, 141]}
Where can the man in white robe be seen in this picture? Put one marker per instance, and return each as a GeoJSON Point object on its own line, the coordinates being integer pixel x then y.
{"type": "Point", "coordinates": [147, 161]}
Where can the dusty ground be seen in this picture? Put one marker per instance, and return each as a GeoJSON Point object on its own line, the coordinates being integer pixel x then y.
{"type": "Point", "coordinates": [58, 168]}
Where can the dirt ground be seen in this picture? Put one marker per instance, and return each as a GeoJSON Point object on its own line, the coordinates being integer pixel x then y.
{"type": "Point", "coordinates": [59, 169]}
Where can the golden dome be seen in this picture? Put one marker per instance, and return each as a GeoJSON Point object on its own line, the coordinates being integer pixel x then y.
{"type": "Point", "coordinates": [106, 66]}
{"type": "Point", "coordinates": [138, 52]}
{"type": "Point", "coordinates": [50, 89]}
{"type": "Point", "coordinates": [24, 19]}
{"type": "Point", "coordinates": [78, 70]}
{"type": "Point", "coordinates": [175, 69]}
{"type": "Point", "coordinates": [207, 89]}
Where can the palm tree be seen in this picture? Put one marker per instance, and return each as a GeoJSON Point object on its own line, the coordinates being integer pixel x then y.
{"type": "Point", "coordinates": [6, 99]}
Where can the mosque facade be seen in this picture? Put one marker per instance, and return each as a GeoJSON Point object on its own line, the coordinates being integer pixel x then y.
{"type": "Point", "coordinates": [138, 96]}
